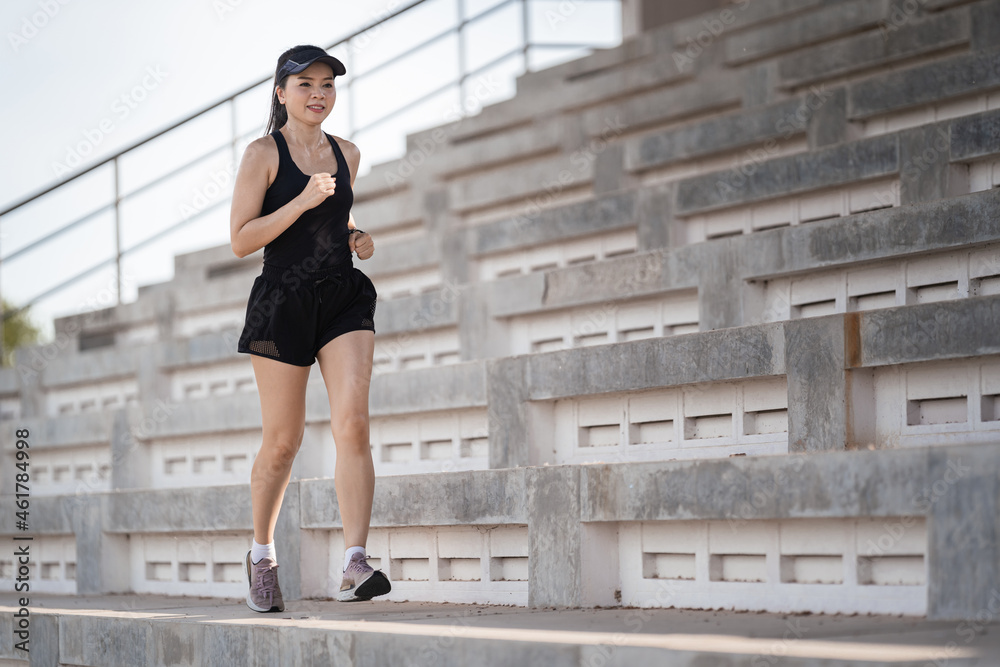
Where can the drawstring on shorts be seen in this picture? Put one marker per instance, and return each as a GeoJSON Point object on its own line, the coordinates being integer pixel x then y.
{"type": "Point", "coordinates": [319, 293]}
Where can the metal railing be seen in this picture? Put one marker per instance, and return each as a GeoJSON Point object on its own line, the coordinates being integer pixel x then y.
{"type": "Point", "coordinates": [522, 50]}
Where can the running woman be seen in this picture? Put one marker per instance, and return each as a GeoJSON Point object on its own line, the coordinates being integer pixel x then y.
{"type": "Point", "coordinates": [293, 197]}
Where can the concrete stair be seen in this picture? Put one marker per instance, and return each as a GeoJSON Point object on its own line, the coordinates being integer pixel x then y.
{"type": "Point", "coordinates": [707, 321]}
{"type": "Point", "coordinates": [167, 631]}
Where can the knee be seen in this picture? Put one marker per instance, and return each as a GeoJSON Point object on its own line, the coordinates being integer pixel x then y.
{"type": "Point", "coordinates": [351, 429]}
{"type": "Point", "coordinates": [283, 447]}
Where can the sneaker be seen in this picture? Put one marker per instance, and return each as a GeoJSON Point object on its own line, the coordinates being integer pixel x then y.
{"type": "Point", "coordinates": [264, 594]}
{"type": "Point", "coordinates": [361, 582]}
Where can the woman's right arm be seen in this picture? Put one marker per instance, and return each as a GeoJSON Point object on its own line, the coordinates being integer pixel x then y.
{"type": "Point", "coordinates": [248, 230]}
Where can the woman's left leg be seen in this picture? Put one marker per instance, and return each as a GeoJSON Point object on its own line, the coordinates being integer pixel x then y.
{"type": "Point", "coordinates": [346, 364]}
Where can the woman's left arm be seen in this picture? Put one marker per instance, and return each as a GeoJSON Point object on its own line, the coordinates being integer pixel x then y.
{"type": "Point", "coordinates": [359, 242]}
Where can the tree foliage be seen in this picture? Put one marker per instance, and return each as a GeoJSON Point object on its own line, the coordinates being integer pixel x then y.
{"type": "Point", "coordinates": [18, 331]}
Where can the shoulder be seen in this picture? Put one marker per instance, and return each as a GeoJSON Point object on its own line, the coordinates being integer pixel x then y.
{"type": "Point", "coordinates": [351, 153]}
{"type": "Point", "coordinates": [350, 150]}
{"type": "Point", "coordinates": [261, 147]}
{"type": "Point", "coordinates": [261, 157]}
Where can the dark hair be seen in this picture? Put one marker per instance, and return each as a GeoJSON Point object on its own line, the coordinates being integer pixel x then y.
{"type": "Point", "coordinates": [279, 114]}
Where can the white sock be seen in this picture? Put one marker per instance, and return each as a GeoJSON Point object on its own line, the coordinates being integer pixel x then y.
{"type": "Point", "coordinates": [258, 551]}
{"type": "Point", "coordinates": [350, 552]}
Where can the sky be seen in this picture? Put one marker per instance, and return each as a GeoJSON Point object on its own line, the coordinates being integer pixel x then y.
{"type": "Point", "coordinates": [87, 78]}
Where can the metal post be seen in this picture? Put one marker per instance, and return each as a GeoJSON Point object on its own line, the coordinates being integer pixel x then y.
{"type": "Point", "coordinates": [349, 66]}
{"type": "Point", "coordinates": [236, 132]}
{"type": "Point", "coordinates": [2, 313]}
{"type": "Point", "coordinates": [461, 58]}
{"type": "Point", "coordinates": [525, 32]}
{"type": "Point", "coordinates": [118, 232]}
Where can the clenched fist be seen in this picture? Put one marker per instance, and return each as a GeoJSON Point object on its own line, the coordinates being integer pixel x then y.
{"type": "Point", "coordinates": [361, 243]}
{"type": "Point", "coordinates": [319, 187]}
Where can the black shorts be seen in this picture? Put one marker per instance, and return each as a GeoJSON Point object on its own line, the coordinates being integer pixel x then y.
{"type": "Point", "coordinates": [291, 313]}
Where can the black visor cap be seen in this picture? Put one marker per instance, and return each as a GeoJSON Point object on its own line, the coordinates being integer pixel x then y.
{"type": "Point", "coordinates": [304, 59]}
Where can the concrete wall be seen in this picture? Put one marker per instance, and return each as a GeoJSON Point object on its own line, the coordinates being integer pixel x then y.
{"type": "Point", "coordinates": [642, 15]}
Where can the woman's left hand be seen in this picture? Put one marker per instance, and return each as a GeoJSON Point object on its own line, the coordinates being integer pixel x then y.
{"type": "Point", "coordinates": [362, 244]}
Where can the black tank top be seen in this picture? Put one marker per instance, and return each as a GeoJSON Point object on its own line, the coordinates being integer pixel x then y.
{"type": "Point", "coordinates": [319, 233]}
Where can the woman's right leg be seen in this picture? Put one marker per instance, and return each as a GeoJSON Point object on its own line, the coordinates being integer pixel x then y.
{"type": "Point", "coordinates": [282, 390]}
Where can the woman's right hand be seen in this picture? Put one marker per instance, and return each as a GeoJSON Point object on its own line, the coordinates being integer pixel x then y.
{"type": "Point", "coordinates": [319, 187]}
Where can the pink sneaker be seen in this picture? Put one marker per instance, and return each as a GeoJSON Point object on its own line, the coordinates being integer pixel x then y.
{"type": "Point", "coordinates": [361, 582]}
{"type": "Point", "coordinates": [264, 594]}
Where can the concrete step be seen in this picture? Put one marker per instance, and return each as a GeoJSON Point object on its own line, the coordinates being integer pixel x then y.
{"type": "Point", "coordinates": [138, 630]}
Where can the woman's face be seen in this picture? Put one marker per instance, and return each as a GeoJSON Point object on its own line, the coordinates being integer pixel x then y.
{"type": "Point", "coordinates": [310, 94]}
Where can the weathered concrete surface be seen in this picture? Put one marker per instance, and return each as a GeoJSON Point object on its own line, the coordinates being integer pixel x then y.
{"type": "Point", "coordinates": [402, 255]}
{"type": "Point", "coordinates": [201, 349]}
{"type": "Point", "coordinates": [957, 76]}
{"type": "Point", "coordinates": [914, 37]}
{"type": "Point", "coordinates": [718, 279]}
{"type": "Point", "coordinates": [506, 390]}
{"type": "Point", "coordinates": [841, 18]}
{"type": "Point", "coordinates": [828, 124]}
{"type": "Point", "coordinates": [456, 498]}
{"type": "Point", "coordinates": [423, 389]}
{"type": "Point", "coordinates": [926, 172]}
{"type": "Point", "coordinates": [645, 364]}
{"type": "Point", "coordinates": [45, 653]}
{"type": "Point", "coordinates": [420, 312]}
{"type": "Point", "coordinates": [448, 157]}
{"type": "Point", "coordinates": [66, 431]}
{"type": "Point", "coordinates": [218, 508]}
{"type": "Point", "coordinates": [925, 332]}
{"type": "Point", "coordinates": [837, 165]}
{"type": "Point", "coordinates": [719, 134]}
{"type": "Point", "coordinates": [554, 563]}
{"type": "Point", "coordinates": [975, 136]}
{"type": "Point", "coordinates": [817, 384]}
{"type": "Point", "coordinates": [875, 235]}
{"type": "Point", "coordinates": [821, 485]}
{"type": "Point", "coordinates": [100, 553]}
{"type": "Point", "coordinates": [395, 210]}
{"type": "Point", "coordinates": [961, 491]}
{"type": "Point", "coordinates": [160, 631]}
{"type": "Point", "coordinates": [633, 275]}
{"type": "Point", "coordinates": [985, 19]}
{"type": "Point", "coordinates": [953, 487]}
{"type": "Point", "coordinates": [658, 69]}
{"type": "Point", "coordinates": [555, 224]}
{"type": "Point", "coordinates": [714, 94]}
{"type": "Point", "coordinates": [535, 179]}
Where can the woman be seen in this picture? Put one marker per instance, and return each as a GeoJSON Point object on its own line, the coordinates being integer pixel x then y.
{"type": "Point", "coordinates": [292, 197]}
